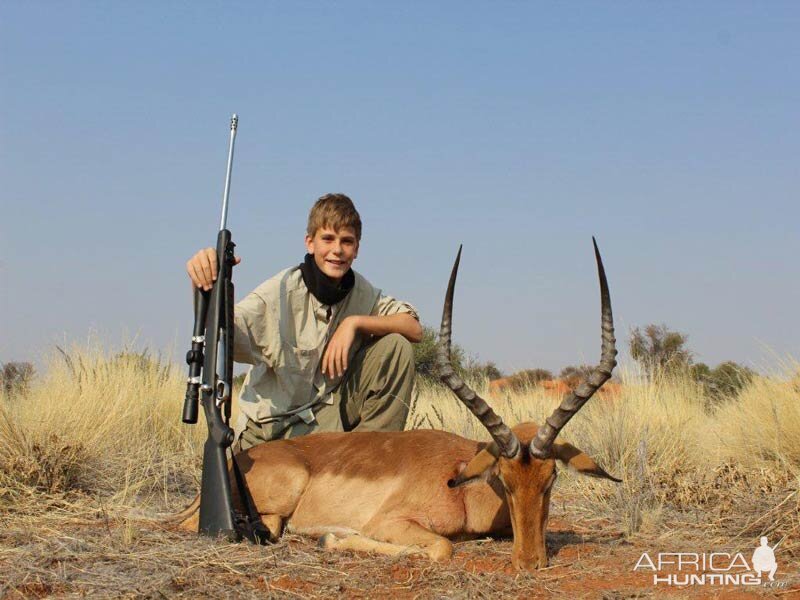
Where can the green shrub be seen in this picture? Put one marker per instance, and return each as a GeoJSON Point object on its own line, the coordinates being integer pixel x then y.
{"type": "Point", "coordinates": [658, 349]}
{"type": "Point", "coordinates": [425, 354]}
{"type": "Point", "coordinates": [724, 382]}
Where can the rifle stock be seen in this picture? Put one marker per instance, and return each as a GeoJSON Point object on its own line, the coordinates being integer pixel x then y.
{"type": "Point", "coordinates": [216, 502]}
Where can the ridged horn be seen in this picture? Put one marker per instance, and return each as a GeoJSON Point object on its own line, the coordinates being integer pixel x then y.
{"type": "Point", "coordinates": [506, 441]}
{"type": "Point", "coordinates": [573, 401]}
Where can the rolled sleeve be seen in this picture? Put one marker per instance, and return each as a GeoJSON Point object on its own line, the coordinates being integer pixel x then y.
{"type": "Point", "coordinates": [250, 330]}
{"type": "Point", "coordinates": [387, 305]}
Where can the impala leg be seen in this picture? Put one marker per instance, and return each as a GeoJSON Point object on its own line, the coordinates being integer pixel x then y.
{"type": "Point", "coordinates": [398, 537]}
{"type": "Point", "coordinates": [275, 491]}
{"type": "Point", "coordinates": [275, 525]}
{"type": "Point", "coordinates": [189, 520]}
{"type": "Point", "coordinates": [359, 543]}
{"type": "Point", "coordinates": [410, 533]}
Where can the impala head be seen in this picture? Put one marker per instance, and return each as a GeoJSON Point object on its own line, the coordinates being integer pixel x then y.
{"type": "Point", "coordinates": [524, 458]}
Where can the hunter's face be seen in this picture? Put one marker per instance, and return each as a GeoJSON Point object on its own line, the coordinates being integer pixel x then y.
{"type": "Point", "coordinates": [334, 251]}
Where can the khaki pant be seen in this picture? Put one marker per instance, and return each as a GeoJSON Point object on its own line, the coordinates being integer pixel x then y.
{"type": "Point", "coordinates": [374, 396]}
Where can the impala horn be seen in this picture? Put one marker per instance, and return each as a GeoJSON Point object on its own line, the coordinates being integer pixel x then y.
{"type": "Point", "coordinates": [573, 401]}
{"type": "Point", "coordinates": [507, 442]}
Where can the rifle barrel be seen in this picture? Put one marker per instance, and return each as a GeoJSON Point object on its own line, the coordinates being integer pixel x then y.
{"type": "Point", "coordinates": [227, 192]}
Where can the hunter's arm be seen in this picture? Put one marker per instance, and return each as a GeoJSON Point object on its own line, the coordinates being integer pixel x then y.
{"type": "Point", "coordinates": [403, 323]}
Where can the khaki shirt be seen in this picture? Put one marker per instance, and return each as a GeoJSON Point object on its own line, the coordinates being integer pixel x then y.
{"type": "Point", "coordinates": [282, 330]}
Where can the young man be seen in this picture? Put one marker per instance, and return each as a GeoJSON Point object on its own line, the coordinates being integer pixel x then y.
{"type": "Point", "coordinates": [329, 352]}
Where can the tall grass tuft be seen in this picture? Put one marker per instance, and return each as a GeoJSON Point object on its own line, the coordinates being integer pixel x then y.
{"type": "Point", "coordinates": [94, 423]}
{"type": "Point", "coordinates": [763, 425]}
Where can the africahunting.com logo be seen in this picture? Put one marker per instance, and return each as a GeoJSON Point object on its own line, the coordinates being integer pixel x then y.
{"type": "Point", "coordinates": [714, 568]}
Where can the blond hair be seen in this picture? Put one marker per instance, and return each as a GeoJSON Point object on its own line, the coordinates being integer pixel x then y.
{"type": "Point", "coordinates": [336, 211]}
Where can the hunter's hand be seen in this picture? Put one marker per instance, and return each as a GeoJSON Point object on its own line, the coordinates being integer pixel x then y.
{"type": "Point", "coordinates": [202, 268]}
{"type": "Point", "coordinates": [334, 361]}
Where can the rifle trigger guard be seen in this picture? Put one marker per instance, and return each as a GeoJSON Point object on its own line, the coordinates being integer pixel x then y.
{"type": "Point", "coordinates": [223, 392]}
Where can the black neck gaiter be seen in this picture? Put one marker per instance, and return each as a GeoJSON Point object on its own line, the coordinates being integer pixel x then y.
{"type": "Point", "coordinates": [325, 289]}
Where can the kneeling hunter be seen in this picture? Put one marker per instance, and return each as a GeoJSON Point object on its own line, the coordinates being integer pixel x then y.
{"type": "Point", "coordinates": [329, 352]}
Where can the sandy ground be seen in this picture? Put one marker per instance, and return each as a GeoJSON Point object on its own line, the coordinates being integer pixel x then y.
{"type": "Point", "coordinates": [61, 554]}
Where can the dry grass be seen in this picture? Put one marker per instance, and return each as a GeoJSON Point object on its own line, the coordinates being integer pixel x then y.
{"type": "Point", "coordinates": [96, 445]}
{"type": "Point", "coordinates": [99, 425]}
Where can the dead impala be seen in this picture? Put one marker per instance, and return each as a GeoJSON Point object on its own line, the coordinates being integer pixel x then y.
{"type": "Point", "coordinates": [397, 492]}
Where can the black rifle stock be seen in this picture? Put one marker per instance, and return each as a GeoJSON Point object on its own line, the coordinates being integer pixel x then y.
{"type": "Point", "coordinates": [216, 503]}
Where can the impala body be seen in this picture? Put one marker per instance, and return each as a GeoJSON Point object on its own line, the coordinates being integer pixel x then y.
{"type": "Point", "coordinates": [395, 492]}
{"type": "Point", "coordinates": [421, 488]}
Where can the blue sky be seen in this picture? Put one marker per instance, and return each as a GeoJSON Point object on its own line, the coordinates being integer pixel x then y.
{"type": "Point", "coordinates": [669, 131]}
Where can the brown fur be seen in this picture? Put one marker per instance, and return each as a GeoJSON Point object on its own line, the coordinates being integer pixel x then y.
{"type": "Point", "coordinates": [408, 491]}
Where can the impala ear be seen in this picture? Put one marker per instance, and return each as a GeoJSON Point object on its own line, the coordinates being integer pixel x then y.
{"type": "Point", "coordinates": [479, 467]}
{"type": "Point", "coordinates": [580, 461]}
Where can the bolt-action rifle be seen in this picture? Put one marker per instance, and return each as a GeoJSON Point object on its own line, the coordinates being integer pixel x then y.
{"type": "Point", "coordinates": [210, 382]}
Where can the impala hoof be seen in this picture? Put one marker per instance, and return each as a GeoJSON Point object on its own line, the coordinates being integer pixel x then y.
{"type": "Point", "coordinates": [327, 541]}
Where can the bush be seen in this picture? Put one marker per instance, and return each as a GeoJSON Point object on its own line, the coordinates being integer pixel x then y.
{"type": "Point", "coordinates": [658, 349]}
{"type": "Point", "coordinates": [15, 377]}
{"type": "Point", "coordinates": [724, 382]}
{"type": "Point", "coordinates": [492, 371]}
{"type": "Point", "coordinates": [425, 354]}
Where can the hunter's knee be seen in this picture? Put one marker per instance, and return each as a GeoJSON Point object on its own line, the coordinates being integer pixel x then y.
{"type": "Point", "coordinates": [400, 349]}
